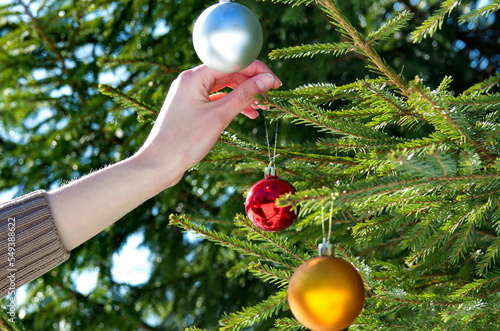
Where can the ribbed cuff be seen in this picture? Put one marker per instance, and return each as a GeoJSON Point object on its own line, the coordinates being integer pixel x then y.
{"type": "Point", "coordinates": [29, 242]}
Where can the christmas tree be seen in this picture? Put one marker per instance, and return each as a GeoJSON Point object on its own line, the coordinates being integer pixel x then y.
{"type": "Point", "coordinates": [408, 176]}
{"type": "Point", "coordinates": [388, 126]}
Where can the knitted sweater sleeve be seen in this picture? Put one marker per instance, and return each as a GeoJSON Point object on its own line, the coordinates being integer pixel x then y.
{"type": "Point", "coordinates": [29, 242]}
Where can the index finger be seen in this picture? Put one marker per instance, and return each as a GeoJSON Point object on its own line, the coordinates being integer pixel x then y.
{"type": "Point", "coordinates": [214, 80]}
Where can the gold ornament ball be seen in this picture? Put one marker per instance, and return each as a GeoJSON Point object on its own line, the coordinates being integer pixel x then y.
{"type": "Point", "coordinates": [326, 294]}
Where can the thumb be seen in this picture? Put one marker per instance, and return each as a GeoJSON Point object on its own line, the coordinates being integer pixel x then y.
{"type": "Point", "coordinates": [244, 94]}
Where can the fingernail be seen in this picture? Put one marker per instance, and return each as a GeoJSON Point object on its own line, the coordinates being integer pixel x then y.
{"type": "Point", "coordinates": [265, 82]}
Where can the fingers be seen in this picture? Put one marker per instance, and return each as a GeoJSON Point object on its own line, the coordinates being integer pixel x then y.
{"type": "Point", "coordinates": [257, 67]}
{"type": "Point", "coordinates": [246, 84]}
{"type": "Point", "coordinates": [250, 112]}
{"type": "Point", "coordinates": [213, 80]}
{"type": "Point", "coordinates": [217, 96]}
{"type": "Point", "coordinates": [243, 96]}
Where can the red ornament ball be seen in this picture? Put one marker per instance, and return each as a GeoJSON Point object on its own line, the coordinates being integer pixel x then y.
{"type": "Point", "coordinates": [260, 204]}
{"type": "Point", "coordinates": [326, 294]}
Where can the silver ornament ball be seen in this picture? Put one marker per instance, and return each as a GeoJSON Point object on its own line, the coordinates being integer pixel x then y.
{"type": "Point", "coordinates": [227, 37]}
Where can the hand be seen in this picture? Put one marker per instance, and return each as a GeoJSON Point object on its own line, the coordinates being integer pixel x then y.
{"type": "Point", "coordinates": [192, 118]}
{"type": "Point", "coordinates": [187, 127]}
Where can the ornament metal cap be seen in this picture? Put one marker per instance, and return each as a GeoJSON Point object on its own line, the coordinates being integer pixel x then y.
{"type": "Point", "coordinates": [325, 248]}
{"type": "Point", "coordinates": [270, 171]}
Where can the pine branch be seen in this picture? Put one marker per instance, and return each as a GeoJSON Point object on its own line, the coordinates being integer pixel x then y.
{"type": "Point", "coordinates": [390, 27]}
{"type": "Point", "coordinates": [251, 315]}
{"type": "Point", "coordinates": [387, 107]}
{"type": "Point", "coordinates": [491, 255]}
{"type": "Point", "coordinates": [432, 164]}
{"type": "Point", "coordinates": [294, 2]}
{"type": "Point", "coordinates": [288, 324]}
{"type": "Point", "coordinates": [424, 299]}
{"type": "Point", "coordinates": [374, 320]}
{"type": "Point", "coordinates": [310, 50]}
{"type": "Point", "coordinates": [483, 11]}
{"type": "Point", "coordinates": [271, 274]}
{"type": "Point", "coordinates": [425, 238]}
{"type": "Point", "coordinates": [319, 93]}
{"type": "Point", "coordinates": [464, 239]}
{"type": "Point", "coordinates": [232, 152]}
{"type": "Point", "coordinates": [484, 86]}
{"type": "Point", "coordinates": [8, 323]}
{"type": "Point", "coordinates": [469, 163]}
{"type": "Point", "coordinates": [368, 98]}
{"type": "Point", "coordinates": [449, 120]}
{"type": "Point", "coordinates": [431, 106]}
{"type": "Point", "coordinates": [305, 112]}
{"type": "Point", "coordinates": [242, 246]}
{"type": "Point", "coordinates": [363, 193]}
{"type": "Point", "coordinates": [339, 20]}
{"type": "Point", "coordinates": [145, 112]}
{"type": "Point", "coordinates": [232, 143]}
{"type": "Point", "coordinates": [377, 227]}
{"type": "Point", "coordinates": [360, 146]}
{"type": "Point", "coordinates": [490, 282]}
{"type": "Point", "coordinates": [485, 102]}
{"type": "Point", "coordinates": [314, 157]}
{"type": "Point", "coordinates": [473, 314]}
{"type": "Point", "coordinates": [423, 145]}
{"type": "Point", "coordinates": [435, 22]}
{"type": "Point", "coordinates": [277, 242]}
{"type": "Point", "coordinates": [52, 47]}
{"type": "Point", "coordinates": [379, 97]}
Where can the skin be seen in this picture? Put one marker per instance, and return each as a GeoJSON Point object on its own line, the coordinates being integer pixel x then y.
{"type": "Point", "coordinates": [188, 125]}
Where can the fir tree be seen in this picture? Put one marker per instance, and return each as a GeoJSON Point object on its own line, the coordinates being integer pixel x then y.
{"type": "Point", "coordinates": [410, 174]}
{"type": "Point", "coordinates": [390, 123]}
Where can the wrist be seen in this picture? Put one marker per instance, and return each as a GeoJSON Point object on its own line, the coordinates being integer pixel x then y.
{"type": "Point", "coordinates": [158, 170]}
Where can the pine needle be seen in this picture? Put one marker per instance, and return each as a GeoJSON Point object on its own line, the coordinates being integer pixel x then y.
{"type": "Point", "coordinates": [435, 22]}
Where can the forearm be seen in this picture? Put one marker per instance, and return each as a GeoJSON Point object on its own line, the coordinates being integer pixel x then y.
{"type": "Point", "coordinates": [85, 207]}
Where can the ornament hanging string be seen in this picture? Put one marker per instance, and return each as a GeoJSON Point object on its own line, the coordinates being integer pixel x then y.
{"type": "Point", "coordinates": [272, 157]}
{"type": "Point", "coordinates": [325, 248]}
{"type": "Point", "coordinates": [330, 221]}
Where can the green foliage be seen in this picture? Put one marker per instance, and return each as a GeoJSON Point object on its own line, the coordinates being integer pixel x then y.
{"type": "Point", "coordinates": [263, 252]}
{"type": "Point", "coordinates": [435, 22]}
{"type": "Point", "coordinates": [144, 111]}
{"type": "Point", "coordinates": [412, 186]}
{"type": "Point", "coordinates": [8, 323]}
{"type": "Point", "coordinates": [484, 11]}
{"type": "Point", "coordinates": [390, 27]}
{"type": "Point", "coordinates": [397, 140]}
{"type": "Point", "coordinates": [248, 316]}
{"type": "Point", "coordinates": [336, 49]}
